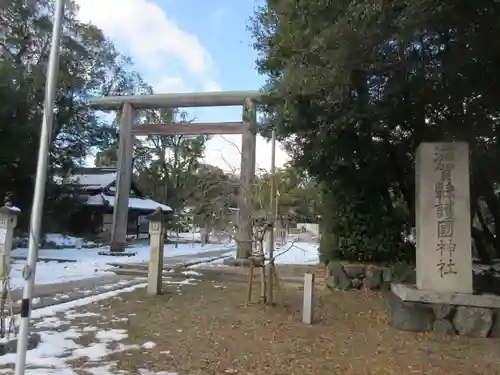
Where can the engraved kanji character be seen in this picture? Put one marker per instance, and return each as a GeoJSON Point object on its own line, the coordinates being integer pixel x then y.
{"type": "Point", "coordinates": [447, 248]}
{"type": "Point", "coordinates": [439, 210]}
{"type": "Point", "coordinates": [445, 229]}
{"type": "Point", "coordinates": [446, 268]}
{"type": "Point", "coordinates": [449, 188]}
{"type": "Point", "coordinates": [446, 174]}
{"type": "Point", "coordinates": [439, 189]}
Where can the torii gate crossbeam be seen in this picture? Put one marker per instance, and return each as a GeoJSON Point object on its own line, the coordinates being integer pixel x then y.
{"type": "Point", "coordinates": [247, 128]}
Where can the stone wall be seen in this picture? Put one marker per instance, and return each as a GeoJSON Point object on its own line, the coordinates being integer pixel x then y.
{"type": "Point", "coordinates": [443, 319]}
{"type": "Point", "coordinates": [344, 276]}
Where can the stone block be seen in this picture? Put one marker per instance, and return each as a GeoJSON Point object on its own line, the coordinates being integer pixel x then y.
{"type": "Point", "coordinates": [409, 316]}
{"type": "Point", "coordinates": [373, 278]}
{"type": "Point", "coordinates": [473, 321]}
{"type": "Point", "coordinates": [387, 274]}
{"type": "Point", "coordinates": [443, 327]}
{"type": "Point", "coordinates": [354, 271]}
{"type": "Point", "coordinates": [338, 279]}
{"type": "Point", "coordinates": [356, 283]}
{"type": "Point", "coordinates": [495, 327]}
{"type": "Point", "coordinates": [412, 294]}
{"type": "Point", "coordinates": [443, 311]}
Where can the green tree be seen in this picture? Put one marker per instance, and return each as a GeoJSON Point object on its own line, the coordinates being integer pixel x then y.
{"type": "Point", "coordinates": [89, 65]}
{"type": "Point", "coordinates": [165, 165]}
{"type": "Point", "coordinates": [298, 193]}
{"type": "Point", "coordinates": [356, 86]}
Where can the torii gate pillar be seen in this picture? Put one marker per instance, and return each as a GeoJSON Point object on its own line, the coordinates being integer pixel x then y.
{"type": "Point", "coordinates": [247, 176]}
{"type": "Point", "coordinates": [123, 179]}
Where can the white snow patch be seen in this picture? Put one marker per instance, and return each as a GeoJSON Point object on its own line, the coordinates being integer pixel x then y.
{"type": "Point", "coordinates": [46, 358]}
{"type": "Point", "coordinates": [89, 264]}
{"type": "Point", "coordinates": [73, 315]}
{"type": "Point", "coordinates": [133, 202]}
{"type": "Point", "coordinates": [57, 273]}
{"type": "Point", "coordinates": [191, 273]}
{"type": "Point", "coordinates": [148, 372]}
{"type": "Point", "coordinates": [183, 282]}
{"type": "Point", "coordinates": [62, 307]}
{"type": "Point", "coordinates": [111, 335]}
{"type": "Point", "coordinates": [148, 345]}
{"type": "Point", "coordinates": [64, 240]}
{"type": "Point", "coordinates": [289, 253]}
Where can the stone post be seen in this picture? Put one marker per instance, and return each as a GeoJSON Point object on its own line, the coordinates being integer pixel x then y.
{"type": "Point", "coordinates": [247, 176]}
{"type": "Point", "coordinates": [123, 179]}
{"type": "Point", "coordinates": [308, 301]}
{"type": "Point", "coordinates": [156, 242]}
{"type": "Point", "coordinates": [8, 221]}
{"type": "Point", "coordinates": [444, 256]}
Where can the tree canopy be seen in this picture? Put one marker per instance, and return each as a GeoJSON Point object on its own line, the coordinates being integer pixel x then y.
{"type": "Point", "coordinates": [356, 86]}
{"type": "Point", "coordinates": [89, 65]}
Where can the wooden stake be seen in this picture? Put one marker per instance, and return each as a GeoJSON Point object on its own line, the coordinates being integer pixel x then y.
{"type": "Point", "coordinates": [263, 292]}
{"type": "Point", "coordinates": [250, 282]}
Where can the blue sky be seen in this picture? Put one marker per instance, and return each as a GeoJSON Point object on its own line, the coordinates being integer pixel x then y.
{"type": "Point", "coordinates": [186, 46]}
{"type": "Point", "coordinates": [221, 27]}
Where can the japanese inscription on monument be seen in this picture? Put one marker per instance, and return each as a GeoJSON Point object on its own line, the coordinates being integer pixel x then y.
{"type": "Point", "coordinates": [444, 161]}
{"type": "Point", "coordinates": [444, 259]}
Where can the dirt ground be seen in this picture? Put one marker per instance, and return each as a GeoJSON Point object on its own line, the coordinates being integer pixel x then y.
{"type": "Point", "coordinates": [207, 329]}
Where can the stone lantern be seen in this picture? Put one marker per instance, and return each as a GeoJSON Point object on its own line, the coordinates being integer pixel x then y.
{"type": "Point", "coordinates": [156, 242]}
{"type": "Point", "coordinates": [8, 221]}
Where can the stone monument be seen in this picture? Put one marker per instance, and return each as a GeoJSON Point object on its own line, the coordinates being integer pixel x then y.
{"type": "Point", "coordinates": [156, 243]}
{"type": "Point", "coordinates": [444, 255]}
{"type": "Point", "coordinates": [442, 299]}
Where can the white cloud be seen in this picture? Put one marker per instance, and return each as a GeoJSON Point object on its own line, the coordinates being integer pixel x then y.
{"type": "Point", "coordinates": [158, 45]}
{"type": "Point", "coordinates": [154, 41]}
{"type": "Point", "coordinates": [211, 85]}
{"type": "Point", "coordinates": [224, 152]}
{"type": "Point", "coordinates": [171, 84]}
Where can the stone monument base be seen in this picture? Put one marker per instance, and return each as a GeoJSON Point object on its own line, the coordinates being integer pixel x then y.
{"type": "Point", "coordinates": [473, 315]}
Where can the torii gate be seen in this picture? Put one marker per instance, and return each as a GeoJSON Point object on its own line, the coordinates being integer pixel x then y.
{"type": "Point", "coordinates": [127, 106]}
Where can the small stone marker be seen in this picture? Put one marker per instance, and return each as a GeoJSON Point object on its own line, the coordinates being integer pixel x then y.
{"type": "Point", "coordinates": [308, 304]}
{"type": "Point", "coordinates": [444, 257]}
{"type": "Point", "coordinates": [156, 242]}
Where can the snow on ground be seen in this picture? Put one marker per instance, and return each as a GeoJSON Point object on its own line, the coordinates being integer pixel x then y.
{"type": "Point", "coordinates": [56, 273]}
{"type": "Point", "coordinates": [297, 253]}
{"type": "Point", "coordinates": [59, 340]}
{"type": "Point", "coordinates": [81, 292]}
{"type": "Point", "coordinates": [196, 236]}
{"type": "Point", "coordinates": [289, 253]}
{"type": "Point", "coordinates": [141, 253]}
{"type": "Point", "coordinates": [89, 264]}
{"type": "Point", "coordinates": [63, 240]}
